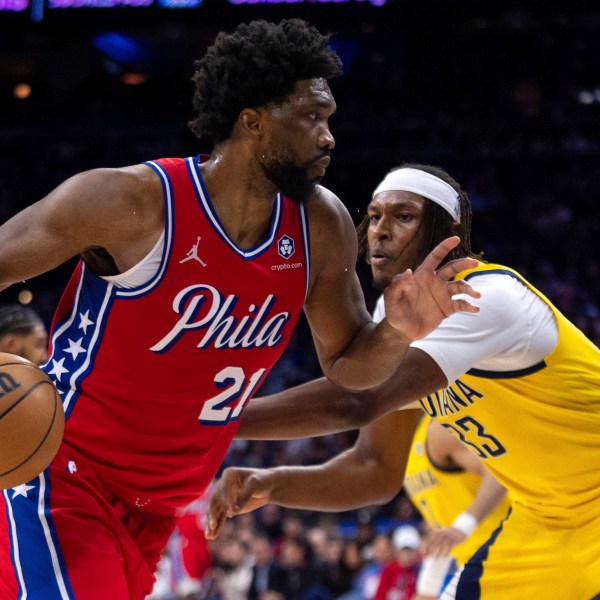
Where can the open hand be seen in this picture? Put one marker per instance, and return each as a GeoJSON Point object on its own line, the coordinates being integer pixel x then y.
{"type": "Point", "coordinates": [416, 302]}
{"type": "Point", "coordinates": [238, 491]}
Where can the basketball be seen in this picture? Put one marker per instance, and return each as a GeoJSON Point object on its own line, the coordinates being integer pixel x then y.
{"type": "Point", "coordinates": [31, 421]}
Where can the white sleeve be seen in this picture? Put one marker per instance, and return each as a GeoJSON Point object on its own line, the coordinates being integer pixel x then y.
{"type": "Point", "coordinates": [379, 310]}
{"type": "Point", "coordinates": [513, 329]}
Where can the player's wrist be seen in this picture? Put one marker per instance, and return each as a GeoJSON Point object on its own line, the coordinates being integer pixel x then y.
{"type": "Point", "coordinates": [432, 574]}
{"type": "Point", "coordinates": [466, 523]}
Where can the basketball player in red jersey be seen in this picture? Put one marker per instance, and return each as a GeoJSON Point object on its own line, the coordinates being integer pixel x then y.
{"type": "Point", "coordinates": [193, 273]}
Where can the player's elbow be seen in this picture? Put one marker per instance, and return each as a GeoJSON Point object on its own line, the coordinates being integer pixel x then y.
{"type": "Point", "coordinates": [358, 411]}
{"type": "Point", "coordinates": [385, 486]}
{"type": "Point", "coordinates": [385, 496]}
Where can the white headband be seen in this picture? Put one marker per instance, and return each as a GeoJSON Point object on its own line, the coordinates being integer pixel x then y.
{"type": "Point", "coordinates": [426, 185]}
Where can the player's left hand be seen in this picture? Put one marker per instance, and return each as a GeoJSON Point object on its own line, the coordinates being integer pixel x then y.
{"type": "Point", "coordinates": [416, 302]}
{"type": "Point", "coordinates": [238, 491]}
{"type": "Point", "coordinates": [440, 542]}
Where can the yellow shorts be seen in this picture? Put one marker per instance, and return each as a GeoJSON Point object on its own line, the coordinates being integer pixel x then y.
{"type": "Point", "coordinates": [527, 558]}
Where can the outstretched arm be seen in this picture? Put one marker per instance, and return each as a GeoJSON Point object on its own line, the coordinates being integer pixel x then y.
{"type": "Point", "coordinates": [371, 472]}
{"type": "Point", "coordinates": [119, 210]}
{"type": "Point", "coordinates": [319, 407]}
{"type": "Point", "coordinates": [354, 352]}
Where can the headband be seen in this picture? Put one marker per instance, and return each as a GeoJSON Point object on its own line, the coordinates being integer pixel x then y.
{"type": "Point", "coordinates": [426, 185]}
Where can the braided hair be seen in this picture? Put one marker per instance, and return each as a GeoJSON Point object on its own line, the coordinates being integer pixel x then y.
{"type": "Point", "coordinates": [437, 223]}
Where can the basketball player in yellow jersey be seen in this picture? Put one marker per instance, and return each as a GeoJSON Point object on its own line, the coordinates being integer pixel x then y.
{"type": "Point", "coordinates": [458, 498]}
{"type": "Point", "coordinates": [517, 383]}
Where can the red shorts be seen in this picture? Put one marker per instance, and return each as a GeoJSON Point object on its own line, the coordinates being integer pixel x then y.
{"type": "Point", "coordinates": [64, 537]}
{"type": "Point", "coordinates": [195, 552]}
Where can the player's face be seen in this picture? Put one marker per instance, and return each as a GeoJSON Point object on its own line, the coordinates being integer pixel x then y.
{"type": "Point", "coordinates": [32, 346]}
{"type": "Point", "coordinates": [393, 234]}
{"type": "Point", "coordinates": [299, 140]}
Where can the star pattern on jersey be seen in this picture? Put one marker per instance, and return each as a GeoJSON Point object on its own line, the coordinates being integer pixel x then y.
{"type": "Point", "coordinates": [58, 368]}
{"type": "Point", "coordinates": [72, 348]}
{"type": "Point", "coordinates": [21, 490]}
{"type": "Point", "coordinates": [84, 321]}
{"type": "Point", "coordinates": [75, 348]}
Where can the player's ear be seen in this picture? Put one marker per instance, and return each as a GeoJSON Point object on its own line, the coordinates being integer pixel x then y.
{"type": "Point", "coordinates": [10, 343]}
{"type": "Point", "coordinates": [251, 123]}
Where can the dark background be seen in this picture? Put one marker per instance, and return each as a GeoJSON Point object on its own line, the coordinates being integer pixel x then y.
{"type": "Point", "coordinates": [505, 95]}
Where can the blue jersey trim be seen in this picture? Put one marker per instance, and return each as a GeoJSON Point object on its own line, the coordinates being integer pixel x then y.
{"type": "Point", "coordinates": [213, 219]}
{"type": "Point", "coordinates": [469, 586]}
{"type": "Point", "coordinates": [305, 243]}
{"type": "Point", "coordinates": [507, 374]}
{"type": "Point", "coordinates": [65, 361]}
{"type": "Point", "coordinates": [147, 287]}
{"type": "Point", "coordinates": [495, 272]}
{"type": "Point", "coordinates": [33, 534]}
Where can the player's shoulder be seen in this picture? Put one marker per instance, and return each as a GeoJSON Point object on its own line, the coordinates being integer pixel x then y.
{"type": "Point", "coordinates": [104, 181]}
{"type": "Point", "coordinates": [326, 210]}
{"type": "Point", "coordinates": [499, 287]}
{"type": "Point", "coordinates": [135, 185]}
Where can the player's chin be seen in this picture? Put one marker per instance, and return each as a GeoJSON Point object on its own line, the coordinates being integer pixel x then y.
{"type": "Point", "coordinates": [380, 280]}
{"type": "Point", "coordinates": [314, 180]}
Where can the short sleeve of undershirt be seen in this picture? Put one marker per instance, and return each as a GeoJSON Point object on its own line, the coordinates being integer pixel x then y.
{"type": "Point", "coordinates": [513, 329]}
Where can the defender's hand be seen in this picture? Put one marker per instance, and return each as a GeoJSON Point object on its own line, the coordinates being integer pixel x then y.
{"type": "Point", "coordinates": [417, 302]}
{"type": "Point", "coordinates": [439, 542]}
{"type": "Point", "coordinates": [238, 491]}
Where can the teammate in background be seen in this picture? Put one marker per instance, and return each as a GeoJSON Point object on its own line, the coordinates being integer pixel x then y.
{"type": "Point", "coordinates": [22, 332]}
{"type": "Point", "coordinates": [517, 383]}
{"type": "Point", "coordinates": [156, 356]}
{"type": "Point", "coordinates": [458, 498]}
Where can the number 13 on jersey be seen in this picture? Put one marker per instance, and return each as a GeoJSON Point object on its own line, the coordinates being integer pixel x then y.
{"type": "Point", "coordinates": [218, 410]}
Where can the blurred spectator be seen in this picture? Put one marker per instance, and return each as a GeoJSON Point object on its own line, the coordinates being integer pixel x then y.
{"type": "Point", "coordinates": [22, 332]}
{"type": "Point", "coordinates": [399, 578]}
{"type": "Point", "coordinates": [295, 575]}
{"type": "Point", "coordinates": [233, 571]}
{"type": "Point", "coordinates": [343, 565]}
{"type": "Point", "coordinates": [262, 553]}
{"type": "Point", "coordinates": [366, 581]}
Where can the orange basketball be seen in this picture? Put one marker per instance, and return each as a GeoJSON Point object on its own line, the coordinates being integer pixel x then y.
{"type": "Point", "coordinates": [31, 421]}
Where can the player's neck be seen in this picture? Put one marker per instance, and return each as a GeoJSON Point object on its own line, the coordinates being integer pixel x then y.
{"type": "Point", "coordinates": [242, 198]}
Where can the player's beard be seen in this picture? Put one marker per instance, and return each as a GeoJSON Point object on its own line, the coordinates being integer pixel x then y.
{"type": "Point", "coordinates": [290, 178]}
{"type": "Point", "coordinates": [380, 282]}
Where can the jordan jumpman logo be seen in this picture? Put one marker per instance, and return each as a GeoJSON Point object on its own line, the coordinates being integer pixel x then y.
{"type": "Point", "coordinates": [193, 254]}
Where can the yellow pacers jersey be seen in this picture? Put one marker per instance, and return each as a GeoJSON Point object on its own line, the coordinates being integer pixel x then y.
{"type": "Point", "coordinates": [537, 429]}
{"type": "Point", "coordinates": [441, 494]}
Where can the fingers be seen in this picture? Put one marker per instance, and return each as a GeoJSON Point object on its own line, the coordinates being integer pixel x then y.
{"type": "Point", "coordinates": [462, 287]}
{"type": "Point", "coordinates": [220, 503]}
{"type": "Point", "coordinates": [437, 255]}
{"type": "Point", "coordinates": [464, 306]}
{"type": "Point", "coordinates": [451, 268]}
{"type": "Point", "coordinates": [214, 519]}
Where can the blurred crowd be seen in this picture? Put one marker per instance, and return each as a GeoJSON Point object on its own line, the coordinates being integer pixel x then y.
{"type": "Point", "coordinates": [280, 554]}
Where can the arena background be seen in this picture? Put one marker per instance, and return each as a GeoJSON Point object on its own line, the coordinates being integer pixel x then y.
{"type": "Point", "coordinates": [505, 95]}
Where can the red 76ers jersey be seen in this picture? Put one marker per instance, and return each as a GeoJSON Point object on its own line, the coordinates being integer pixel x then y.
{"type": "Point", "coordinates": [154, 379]}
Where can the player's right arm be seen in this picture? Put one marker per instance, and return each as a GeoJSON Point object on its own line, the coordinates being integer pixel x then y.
{"type": "Point", "coordinates": [319, 407]}
{"type": "Point", "coordinates": [117, 210]}
{"type": "Point", "coordinates": [371, 472]}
